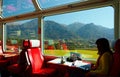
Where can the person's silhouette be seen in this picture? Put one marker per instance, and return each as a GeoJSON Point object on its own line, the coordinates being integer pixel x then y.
{"type": "Point", "coordinates": [104, 61]}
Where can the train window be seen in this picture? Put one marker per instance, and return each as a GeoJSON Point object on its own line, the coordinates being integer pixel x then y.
{"type": "Point", "coordinates": [49, 3]}
{"type": "Point", "coordinates": [16, 32]}
{"type": "Point", "coordinates": [16, 7]}
{"type": "Point", "coordinates": [78, 31]}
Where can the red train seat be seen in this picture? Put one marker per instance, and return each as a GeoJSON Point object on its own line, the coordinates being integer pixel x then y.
{"type": "Point", "coordinates": [36, 61]}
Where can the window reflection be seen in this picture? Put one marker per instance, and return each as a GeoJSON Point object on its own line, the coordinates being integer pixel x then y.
{"type": "Point", "coordinates": [18, 31]}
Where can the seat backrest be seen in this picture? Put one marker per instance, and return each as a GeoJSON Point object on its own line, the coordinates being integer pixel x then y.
{"type": "Point", "coordinates": [22, 56]}
{"type": "Point", "coordinates": [115, 70]}
{"type": "Point", "coordinates": [35, 56]}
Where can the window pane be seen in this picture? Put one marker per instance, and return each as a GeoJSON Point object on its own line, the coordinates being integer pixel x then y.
{"type": "Point", "coordinates": [16, 7]}
{"type": "Point", "coordinates": [52, 3]}
{"type": "Point", "coordinates": [16, 32]}
{"type": "Point", "coordinates": [78, 31]}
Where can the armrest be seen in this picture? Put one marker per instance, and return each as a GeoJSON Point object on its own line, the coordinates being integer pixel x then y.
{"type": "Point", "coordinates": [48, 58]}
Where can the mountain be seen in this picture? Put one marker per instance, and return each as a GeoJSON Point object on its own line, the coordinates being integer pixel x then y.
{"type": "Point", "coordinates": [53, 30]}
{"type": "Point", "coordinates": [92, 31]}
{"type": "Point", "coordinates": [74, 26]}
{"type": "Point", "coordinates": [76, 30]}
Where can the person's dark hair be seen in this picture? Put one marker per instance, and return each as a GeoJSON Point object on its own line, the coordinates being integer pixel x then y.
{"type": "Point", "coordinates": [103, 46]}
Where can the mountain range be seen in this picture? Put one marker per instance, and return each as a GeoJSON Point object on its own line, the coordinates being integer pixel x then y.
{"type": "Point", "coordinates": [54, 30]}
{"type": "Point", "coordinates": [76, 30]}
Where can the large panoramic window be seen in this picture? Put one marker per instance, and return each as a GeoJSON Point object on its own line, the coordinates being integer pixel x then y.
{"type": "Point", "coordinates": [77, 32]}
{"type": "Point", "coordinates": [16, 32]}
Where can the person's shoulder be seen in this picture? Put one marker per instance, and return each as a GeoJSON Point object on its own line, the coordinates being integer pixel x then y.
{"type": "Point", "coordinates": [107, 54]}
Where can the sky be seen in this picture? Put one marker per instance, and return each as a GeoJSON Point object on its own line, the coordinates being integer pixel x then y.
{"type": "Point", "coordinates": [16, 7]}
{"type": "Point", "coordinates": [51, 3]}
{"type": "Point", "coordinates": [101, 16]}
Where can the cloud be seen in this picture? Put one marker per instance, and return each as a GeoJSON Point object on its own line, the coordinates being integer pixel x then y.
{"type": "Point", "coordinates": [30, 1]}
{"type": "Point", "coordinates": [11, 8]}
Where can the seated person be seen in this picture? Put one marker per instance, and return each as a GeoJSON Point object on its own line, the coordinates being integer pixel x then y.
{"type": "Point", "coordinates": [104, 61]}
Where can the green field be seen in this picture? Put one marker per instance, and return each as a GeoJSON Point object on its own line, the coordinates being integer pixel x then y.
{"type": "Point", "coordinates": [89, 55]}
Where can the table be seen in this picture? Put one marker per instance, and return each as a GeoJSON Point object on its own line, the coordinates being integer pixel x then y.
{"type": "Point", "coordinates": [77, 68]}
{"type": "Point", "coordinates": [12, 57]}
{"type": "Point", "coordinates": [78, 63]}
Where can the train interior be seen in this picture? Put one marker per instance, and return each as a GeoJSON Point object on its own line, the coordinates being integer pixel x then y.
{"type": "Point", "coordinates": [54, 38]}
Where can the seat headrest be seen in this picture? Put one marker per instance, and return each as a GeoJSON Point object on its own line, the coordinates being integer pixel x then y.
{"type": "Point", "coordinates": [25, 43]}
{"type": "Point", "coordinates": [34, 43]}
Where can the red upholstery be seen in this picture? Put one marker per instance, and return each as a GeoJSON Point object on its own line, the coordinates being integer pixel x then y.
{"type": "Point", "coordinates": [33, 56]}
{"type": "Point", "coordinates": [3, 61]}
{"type": "Point", "coordinates": [36, 61]}
{"type": "Point", "coordinates": [115, 71]}
{"type": "Point", "coordinates": [14, 68]}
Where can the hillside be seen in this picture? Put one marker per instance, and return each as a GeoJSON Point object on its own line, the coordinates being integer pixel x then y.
{"type": "Point", "coordinates": [53, 30]}
{"type": "Point", "coordinates": [74, 26]}
{"type": "Point", "coordinates": [92, 31]}
{"type": "Point", "coordinates": [83, 31]}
